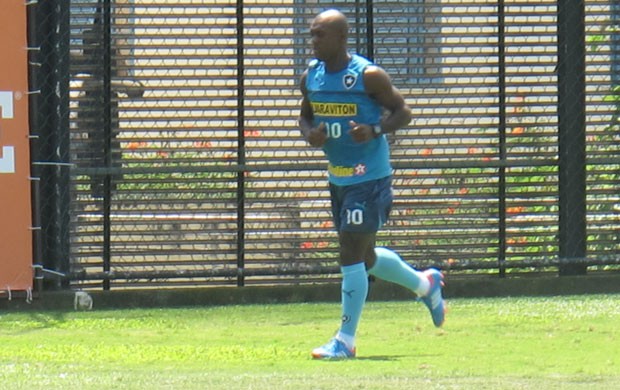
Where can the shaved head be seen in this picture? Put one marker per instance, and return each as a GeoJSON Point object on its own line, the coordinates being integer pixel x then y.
{"type": "Point", "coordinates": [329, 31]}
{"type": "Point", "coordinates": [333, 20]}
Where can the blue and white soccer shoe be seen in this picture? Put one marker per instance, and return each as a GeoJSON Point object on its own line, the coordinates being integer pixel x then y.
{"type": "Point", "coordinates": [334, 349]}
{"type": "Point", "coordinates": [434, 299]}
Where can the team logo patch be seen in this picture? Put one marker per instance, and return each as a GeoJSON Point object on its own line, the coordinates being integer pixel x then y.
{"type": "Point", "coordinates": [349, 80]}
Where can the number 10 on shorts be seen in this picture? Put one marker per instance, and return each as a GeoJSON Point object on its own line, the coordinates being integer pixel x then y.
{"type": "Point", "coordinates": [355, 216]}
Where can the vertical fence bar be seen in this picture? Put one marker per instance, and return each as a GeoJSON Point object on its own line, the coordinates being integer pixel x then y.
{"type": "Point", "coordinates": [501, 54]}
{"type": "Point", "coordinates": [51, 126]}
{"type": "Point", "coordinates": [370, 30]}
{"type": "Point", "coordinates": [35, 145]}
{"type": "Point", "coordinates": [240, 147]}
{"type": "Point", "coordinates": [358, 38]}
{"type": "Point", "coordinates": [107, 136]}
{"type": "Point", "coordinates": [572, 136]}
{"type": "Point", "coordinates": [615, 43]}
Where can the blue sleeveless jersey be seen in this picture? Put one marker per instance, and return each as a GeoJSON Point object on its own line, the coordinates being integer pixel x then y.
{"type": "Point", "coordinates": [336, 99]}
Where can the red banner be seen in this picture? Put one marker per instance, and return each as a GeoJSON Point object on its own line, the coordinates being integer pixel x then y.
{"type": "Point", "coordinates": [15, 201]}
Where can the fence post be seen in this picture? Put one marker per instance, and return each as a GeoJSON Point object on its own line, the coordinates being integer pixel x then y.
{"type": "Point", "coordinates": [106, 23]}
{"type": "Point", "coordinates": [51, 125]}
{"type": "Point", "coordinates": [501, 190]}
{"type": "Point", "coordinates": [240, 146]}
{"type": "Point", "coordinates": [370, 30]}
{"type": "Point", "coordinates": [615, 49]}
{"type": "Point", "coordinates": [572, 139]}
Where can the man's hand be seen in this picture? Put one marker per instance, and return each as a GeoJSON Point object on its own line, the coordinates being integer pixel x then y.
{"type": "Point", "coordinates": [360, 132]}
{"type": "Point", "coordinates": [317, 136]}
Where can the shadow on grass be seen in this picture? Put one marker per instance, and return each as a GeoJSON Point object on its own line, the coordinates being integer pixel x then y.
{"type": "Point", "coordinates": [377, 358]}
{"type": "Point", "coordinates": [380, 358]}
{"type": "Point", "coordinates": [47, 320]}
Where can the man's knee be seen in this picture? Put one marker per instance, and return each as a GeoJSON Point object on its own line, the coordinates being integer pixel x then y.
{"type": "Point", "coordinates": [357, 247]}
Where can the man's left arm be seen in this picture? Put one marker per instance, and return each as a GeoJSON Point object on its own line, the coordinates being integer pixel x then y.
{"type": "Point", "coordinates": [379, 87]}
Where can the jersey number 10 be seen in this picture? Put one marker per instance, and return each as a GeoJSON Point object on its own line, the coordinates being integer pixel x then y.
{"type": "Point", "coordinates": [334, 130]}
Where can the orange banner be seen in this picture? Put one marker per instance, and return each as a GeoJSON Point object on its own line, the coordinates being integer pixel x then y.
{"type": "Point", "coordinates": [15, 202]}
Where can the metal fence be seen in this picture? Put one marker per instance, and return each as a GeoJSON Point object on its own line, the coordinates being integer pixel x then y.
{"type": "Point", "coordinates": [168, 153]}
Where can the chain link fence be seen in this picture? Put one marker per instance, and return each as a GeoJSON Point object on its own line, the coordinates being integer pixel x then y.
{"type": "Point", "coordinates": [168, 151]}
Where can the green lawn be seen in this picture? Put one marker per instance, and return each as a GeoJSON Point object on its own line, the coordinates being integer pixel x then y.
{"type": "Point", "coordinates": [569, 342]}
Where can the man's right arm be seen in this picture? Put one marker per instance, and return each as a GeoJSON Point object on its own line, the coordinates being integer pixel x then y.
{"type": "Point", "coordinates": [315, 136]}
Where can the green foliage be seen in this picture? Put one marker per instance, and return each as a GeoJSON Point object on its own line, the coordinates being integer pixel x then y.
{"type": "Point", "coordinates": [532, 191]}
{"type": "Point", "coordinates": [191, 175]}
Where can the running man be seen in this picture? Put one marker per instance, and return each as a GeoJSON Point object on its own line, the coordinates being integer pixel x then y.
{"type": "Point", "coordinates": [348, 106]}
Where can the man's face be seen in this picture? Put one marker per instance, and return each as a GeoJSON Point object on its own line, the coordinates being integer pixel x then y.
{"type": "Point", "coordinates": [326, 41]}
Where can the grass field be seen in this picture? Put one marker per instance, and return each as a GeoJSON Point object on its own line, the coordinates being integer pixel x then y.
{"type": "Point", "coordinates": [568, 342]}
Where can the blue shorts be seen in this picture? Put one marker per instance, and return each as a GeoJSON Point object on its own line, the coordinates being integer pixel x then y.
{"type": "Point", "coordinates": [363, 207]}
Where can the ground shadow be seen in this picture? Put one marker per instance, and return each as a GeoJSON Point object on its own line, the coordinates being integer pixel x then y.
{"type": "Point", "coordinates": [381, 358]}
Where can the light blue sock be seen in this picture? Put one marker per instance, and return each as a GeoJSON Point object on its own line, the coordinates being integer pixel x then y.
{"type": "Point", "coordinates": [354, 292]}
{"type": "Point", "coordinates": [390, 267]}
